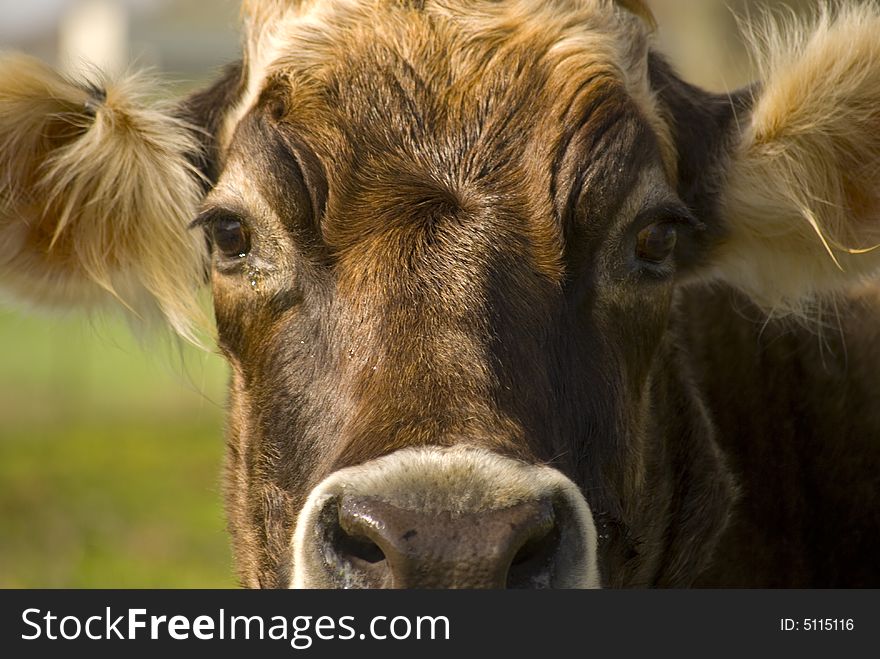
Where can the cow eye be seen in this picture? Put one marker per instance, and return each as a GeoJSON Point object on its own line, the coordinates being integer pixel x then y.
{"type": "Point", "coordinates": [231, 237]}
{"type": "Point", "coordinates": [656, 242]}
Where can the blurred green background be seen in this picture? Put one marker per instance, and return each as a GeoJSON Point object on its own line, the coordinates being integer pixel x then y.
{"type": "Point", "coordinates": [110, 458]}
{"type": "Point", "coordinates": [111, 450]}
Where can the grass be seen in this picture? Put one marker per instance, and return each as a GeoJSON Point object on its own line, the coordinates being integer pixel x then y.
{"type": "Point", "coordinates": [110, 459]}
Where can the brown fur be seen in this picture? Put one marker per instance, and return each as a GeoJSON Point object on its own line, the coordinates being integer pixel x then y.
{"type": "Point", "coordinates": [95, 189]}
{"type": "Point", "coordinates": [399, 318]}
{"type": "Point", "coordinates": [443, 200]}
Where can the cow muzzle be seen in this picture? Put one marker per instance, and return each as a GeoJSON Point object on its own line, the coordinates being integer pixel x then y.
{"type": "Point", "coordinates": [456, 517]}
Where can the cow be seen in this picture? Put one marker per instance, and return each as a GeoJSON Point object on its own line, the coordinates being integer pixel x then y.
{"type": "Point", "coordinates": [506, 302]}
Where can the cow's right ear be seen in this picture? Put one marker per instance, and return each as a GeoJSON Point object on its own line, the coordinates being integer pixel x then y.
{"type": "Point", "coordinates": [98, 184]}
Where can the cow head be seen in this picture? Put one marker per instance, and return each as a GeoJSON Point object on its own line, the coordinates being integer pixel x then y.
{"type": "Point", "coordinates": [445, 243]}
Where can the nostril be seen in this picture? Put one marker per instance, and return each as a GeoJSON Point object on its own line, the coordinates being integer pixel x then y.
{"type": "Point", "coordinates": [537, 548]}
{"type": "Point", "coordinates": [349, 547]}
{"type": "Point", "coordinates": [357, 548]}
{"type": "Point", "coordinates": [532, 565]}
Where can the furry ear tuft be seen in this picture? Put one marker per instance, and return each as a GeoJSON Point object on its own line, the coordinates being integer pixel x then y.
{"type": "Point", "coordinates": [802, 197]}
{"type": "Point", "coordinates": [97, 189]}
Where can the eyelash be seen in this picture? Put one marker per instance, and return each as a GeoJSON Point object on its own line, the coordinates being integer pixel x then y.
{"type": "Point", "coordinates": [673, 213]}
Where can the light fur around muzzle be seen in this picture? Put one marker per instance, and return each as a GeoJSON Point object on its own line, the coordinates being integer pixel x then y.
{"type": "Point", "coordinates": [460, 480]}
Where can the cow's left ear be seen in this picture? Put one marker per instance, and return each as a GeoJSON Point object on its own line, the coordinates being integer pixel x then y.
{"type": "Point", "coordinates": [790, 171]}
{"type": "Point", "coordinates": [98, 184]}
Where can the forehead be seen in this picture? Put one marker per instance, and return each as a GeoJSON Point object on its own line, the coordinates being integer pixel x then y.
{"type": "Point", "coordinates": [447, 106]}
{"type": "Point", "coordinates": [443, 58]}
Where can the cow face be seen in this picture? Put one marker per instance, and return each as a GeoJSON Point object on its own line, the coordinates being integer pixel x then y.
{"type": "Point", "coordinates": [446, 240]}
{"type": "Point", "coordinates": [457, 265]}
